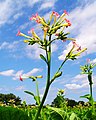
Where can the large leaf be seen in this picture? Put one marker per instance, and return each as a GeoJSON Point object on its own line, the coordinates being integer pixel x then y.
{"type": "Point", "coordinates": [30, 93]}
{"type": "Point", "coordinates": [43, 58]}
{"type": "Point", "coordinates": [88, 96]}
{"type": "Point", "coordinates": [74, 117]}
{"type": "Point", "coordinates": [61, 112]}
{"type": "Point", "coordinates": [37, 99]}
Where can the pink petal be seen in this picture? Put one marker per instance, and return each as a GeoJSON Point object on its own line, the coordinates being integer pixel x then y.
{"type": "Point", "coordinates": [31, 30]}
{"type": "Point", "coordinates": [18, 33]}
{"type": "Point", "coordinates": [21, 78]}
{"type": "Point", "coordinates": [65, 12]}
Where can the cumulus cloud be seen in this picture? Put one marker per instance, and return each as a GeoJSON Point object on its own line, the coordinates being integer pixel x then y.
{"type": "Point", "coordinates": [80, 81]}
{"type": "Point", "coordinates": [7, 10]}
{"type": "Point", "coordinates": [35, 70]}
{"type": "Point", "coordinates": [7, 73]}
{"type": "Point", "coordinates": [16, 74]}
{"type": "Point", "coordinates": [73, 86]}
{"type": "Point", "coordinates": [83, 27]}
{"type": "Point", "coordinates": [34, 51]}
{"type": "Point", "coordinates": [7, 45]}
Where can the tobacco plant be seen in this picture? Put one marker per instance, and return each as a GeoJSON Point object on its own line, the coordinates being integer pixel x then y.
{"type": "Point", "coordinates": [53, 30]}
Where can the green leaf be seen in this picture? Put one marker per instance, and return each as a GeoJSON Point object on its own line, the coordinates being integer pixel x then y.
{"type": "Point", "coordinates": [88, 96]}
{"type": "Point", "coordinates": [59, 111]}
{"type": "Point", "coordinates": [43, 58]}
{"type": "Point", "coordinates": [30, 93]}
{"type": "Point", "coordinates": [74, 117]}
{"type": "Point", "coordinates": [58, 74]}
{"type": "Point", "coordinates": [37, 99]}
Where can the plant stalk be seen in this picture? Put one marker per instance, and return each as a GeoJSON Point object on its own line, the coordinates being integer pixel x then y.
{"type": "Point", "coordinates": [48, 54]}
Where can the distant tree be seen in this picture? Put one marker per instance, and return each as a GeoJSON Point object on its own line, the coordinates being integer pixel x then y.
{"type": "Point", "coordinates": [71, 102]}
{"type": "Point", "coordinates": [81, 102]}
{"type": "Point", "coordinates": [10, 98]}
{"type": "Point", "coordinates": [17, 101]}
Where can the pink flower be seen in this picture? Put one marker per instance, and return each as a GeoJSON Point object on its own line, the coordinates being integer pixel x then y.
{"type": "Point", "coordinates": [34, 17]}
{"type": "Point", "coordinates": [76, 46]}
{"type": "Point", "coordinates": [79, 48]}
{"type": "Point", "coordinates": [31, 30]}
{"type": "Point", "coordinates": [68, 21]}
{"type": "Point", "coordinates": [19, 33]}
{"type": "Point", "coordinates": [69, 24]}
{"type": "Point", "coordinates": [21, 79]}
{"type": "Point", "coordinates": [38, 20]}
{"type": "Point", "coordinates": [65, 12]}
{"type": "Point", "coordinates": [55, 14]}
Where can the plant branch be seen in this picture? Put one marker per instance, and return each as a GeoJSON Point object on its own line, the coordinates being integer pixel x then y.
{"type": "Point", "coordinates": [59, 69]}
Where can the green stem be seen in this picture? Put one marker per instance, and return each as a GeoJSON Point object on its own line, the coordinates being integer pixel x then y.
{"type": "Point", "coordinates": [62, 64]}
{"type": "Point", "coordinates": [91, 90]}
{"type": "Point", "coordinates": [37, 90]}
{"type": "Point", "coordinates": [59, 69]}
{"type": "Point", "coordinates": [90, 83]}
{"type": "Point", "coordinates": [48, 54]}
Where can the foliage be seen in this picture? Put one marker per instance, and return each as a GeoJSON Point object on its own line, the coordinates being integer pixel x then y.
{"type": "Point", "coordinates": [10, 113]}
{"type": "Point", "coordinates": [10, 99]}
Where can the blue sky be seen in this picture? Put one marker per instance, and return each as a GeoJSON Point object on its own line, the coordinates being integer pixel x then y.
{"type": "Point", "coordinates": [17, 58]}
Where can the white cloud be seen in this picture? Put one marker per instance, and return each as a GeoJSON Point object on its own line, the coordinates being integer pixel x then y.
{"type": "Point", "coordinates": [7, 12]}
{"type": "Point", "coordinates": [80, 81]}
{"type": "Point", "coordinates": [7, 45]}
{"type": "Point", "coordinates": [33, 51]}
{"type": "Point", "coordinates": [48, 4]}
{"type": "Point", "coordinates": [73, 86]}
{"type": "Point", "coordinates": [93, 61]}
{"type": "Point", "coordinates": [7, 73]}
{"type": "Point", "coordinates": [79, 77]}
{"type": "Point", "coordinates": [47, 16]}
{"type": "Point", "coordinates": [15, 75]}
{"type": "Point", "coordinates": [32, 2]}
{"type": "Point", "coordinates": [16, 16]}
{"type": "Point", "coordinates": [21, 27]}
{"type": "Point", "coordinates": [35, 70]}
{"type": "Point", "coordinates": [83, 27]}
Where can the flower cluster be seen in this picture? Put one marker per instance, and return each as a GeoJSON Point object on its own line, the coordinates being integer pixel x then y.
{"type": "Point", "coordinates": [75, 51]}
{"type": "Point", "coordinates": [87, 68]}
{"type": "Point", "coordinates": [49, 27]}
